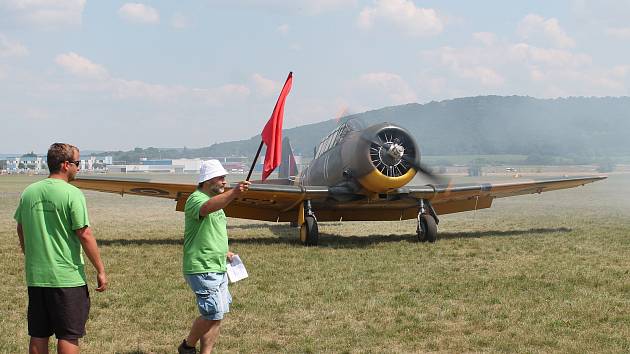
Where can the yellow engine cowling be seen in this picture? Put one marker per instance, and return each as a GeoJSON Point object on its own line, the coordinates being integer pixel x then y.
{"type": "Point", "coordinates": [377, 182]}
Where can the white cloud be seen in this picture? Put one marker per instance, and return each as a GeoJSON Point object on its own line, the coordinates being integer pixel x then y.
{"type": "Point", "coordinates": [551, 57]}
{"type": "Point", "coordinates": [487, 38]}
{"type": "Point", "coordinates": [264, 86]}
{"type": "Point", "coordinates": [620, 71]}
{"type": "Point", "coordinates": [284, 29]}
{"type": "Point", "coordinates": [536, 28]}
{"type": "Point", "coordinates": [9, 48]}
{"type": "Point", "coordinates": [80, 66]}
{"type": "Point", "coordinates": [124, 89]}
{"type": "Point", "coordinates": [404, 15]}
{"type": "Point", "coordinates": [45, 13]}
{"type": "Point", "coordinates": [472, 63]}
{"type": "Point", "coordinates": [518, 68]}
{"type": "Point", "coordinates": [95, 78]}
{"type": "Point", "coordinates": [391, 85]}
{"type": "Point", "coordinates": [432, 85]}
{"type": "Point", "coordinates": [308, 7]}
{"type": "Point", "coordinates": [180, 21]}
{"type": "Point", "coordinates": [619, 32]}
{"type": "Point", "coordinates": [139, 13]}
{"type": "Point", "coordinates": [485, 75]}
{"type": "Point", "coordinates": [536, 74]}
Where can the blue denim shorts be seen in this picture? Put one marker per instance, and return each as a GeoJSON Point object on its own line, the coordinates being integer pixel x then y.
{"type": "Point", "coordinates": [213, 296]}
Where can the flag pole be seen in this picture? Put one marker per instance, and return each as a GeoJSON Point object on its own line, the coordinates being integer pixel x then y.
{"type": "Point", "coordinates": [251, 169]}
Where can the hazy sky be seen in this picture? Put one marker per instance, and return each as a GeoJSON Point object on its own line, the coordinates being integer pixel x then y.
{"type": "Point", "coordinates": [116, 75]}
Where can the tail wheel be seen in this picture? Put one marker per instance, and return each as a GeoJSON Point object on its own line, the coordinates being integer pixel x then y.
{"type": "Point", "coordinates": [309, 232]}
{"type": "Point", "coordinates": [427, 228]}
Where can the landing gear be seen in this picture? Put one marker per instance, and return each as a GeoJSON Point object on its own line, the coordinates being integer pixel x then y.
{"type": "Point", "coordinates": [427, 223]}
{"type": "Point", "coordinates": [309, 232]}
{"type": "Point", "coordinates": [427, 228]}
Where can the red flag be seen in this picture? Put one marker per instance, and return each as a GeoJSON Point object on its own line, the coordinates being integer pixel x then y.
{"type": "Point", "coordinates": [272, 133]}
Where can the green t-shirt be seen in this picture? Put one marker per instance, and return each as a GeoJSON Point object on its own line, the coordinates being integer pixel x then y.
{"type": "Point", "coordinates": [205, 238]}
{"type": "Point", "coordinates": [49, 212]}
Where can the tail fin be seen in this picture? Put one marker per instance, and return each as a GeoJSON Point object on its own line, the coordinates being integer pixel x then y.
{"type": "Point", "coordinates": [288, 167]}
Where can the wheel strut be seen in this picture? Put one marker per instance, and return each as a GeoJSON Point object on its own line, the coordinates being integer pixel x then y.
{"type": "Point", "coordinates": [309, 232]}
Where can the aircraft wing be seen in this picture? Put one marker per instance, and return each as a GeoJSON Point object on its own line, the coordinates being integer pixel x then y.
{"type": "Point", "coordinates": [270, 202]}
{"type": "Point", "coordinates": [463, 197]}
{"type": "Point", "coordinates": [276, 202]}
{"type": "Point", "coordinates": [135, 186]}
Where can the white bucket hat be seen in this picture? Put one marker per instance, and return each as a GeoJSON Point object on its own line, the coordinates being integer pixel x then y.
{"type": "Point", "coordinates": [210, 169]}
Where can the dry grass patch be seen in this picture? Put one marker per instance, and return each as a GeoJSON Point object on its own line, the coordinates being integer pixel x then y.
{"type": "Point", "coordinates": [532, 274]}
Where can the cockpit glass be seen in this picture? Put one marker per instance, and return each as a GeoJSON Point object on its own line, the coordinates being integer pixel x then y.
{"type": "Point", "coordinates": [337, 135]}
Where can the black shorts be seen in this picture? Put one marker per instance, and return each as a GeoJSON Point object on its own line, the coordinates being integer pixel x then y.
{"type": "Point", "coordinates": [62, 311]}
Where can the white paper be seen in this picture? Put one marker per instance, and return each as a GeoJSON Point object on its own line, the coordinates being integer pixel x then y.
{"type": "Point", "coordinates": [236, 269]}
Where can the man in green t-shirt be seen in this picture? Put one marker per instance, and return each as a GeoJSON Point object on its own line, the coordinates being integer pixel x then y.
{"type": "Point", "coordinates": [53, 227]}
{"type": "Point", "coordinates": [205, 253]}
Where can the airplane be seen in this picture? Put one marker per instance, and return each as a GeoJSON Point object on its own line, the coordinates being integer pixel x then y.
{"type": "Point", "coordinates": [358, 173]}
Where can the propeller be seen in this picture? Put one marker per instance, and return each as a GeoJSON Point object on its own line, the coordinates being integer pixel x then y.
{"type": "Point", "coordinates": [396, 151]}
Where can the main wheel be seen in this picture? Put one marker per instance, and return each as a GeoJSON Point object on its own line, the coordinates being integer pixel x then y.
{"type": "Point", "coordinates": [428, 229]}
{"type": "Point", "coordinates": [309, 232]}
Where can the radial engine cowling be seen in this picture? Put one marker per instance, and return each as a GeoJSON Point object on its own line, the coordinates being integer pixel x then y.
{"type": "Point", "coordinates": [391, 155]}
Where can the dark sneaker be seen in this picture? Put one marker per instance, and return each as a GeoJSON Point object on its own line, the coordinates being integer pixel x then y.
{"type": "Point", "coordinates": [185, 349]}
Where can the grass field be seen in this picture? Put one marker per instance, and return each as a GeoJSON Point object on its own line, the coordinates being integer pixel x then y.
{"type": "Point", "coordinates": [540, 273]}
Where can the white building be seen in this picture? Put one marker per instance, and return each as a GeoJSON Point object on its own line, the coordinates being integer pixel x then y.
{"type": "Point", "coordinates": [162, 166]}
{"type": "Point", "coordinates": [189, 165]}
{"type": "Point", "coordinates": [37, 163]}
{"type": "Point", "coordinates": [30, 163]}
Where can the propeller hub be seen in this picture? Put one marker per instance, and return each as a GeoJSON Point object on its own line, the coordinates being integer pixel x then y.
{"type": "Point", "coordinates": [396, 151]}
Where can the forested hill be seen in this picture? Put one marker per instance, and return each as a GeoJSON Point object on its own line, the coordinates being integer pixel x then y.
{"type": "Point", "coordinates": [571, 127]}
{"type": "Point", "coordinates": [515, 125]}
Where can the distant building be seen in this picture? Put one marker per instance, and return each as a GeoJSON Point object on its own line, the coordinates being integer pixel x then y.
{"type": "Point", "coordinates": [162, 165]}
{"type": "Point", "coordinates": [132, 168]}
{"type": "Point", "coordinates": [27, 163]}
{"type": "Point", "coordinates": [95, 163]}
{"type": "Point", "coordinates": [33, 163]}
{"type": "Point", "coordinates": [232, 165]}
{"type": "Point", "coordinates": [189, 165]}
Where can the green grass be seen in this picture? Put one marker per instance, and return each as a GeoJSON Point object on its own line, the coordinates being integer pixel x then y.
{"type": "Point", "coordinates": [539, 273]}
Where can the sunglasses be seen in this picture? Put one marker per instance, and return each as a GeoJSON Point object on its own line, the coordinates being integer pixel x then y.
{"type": "Point", "coordinates": [76, 163]}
